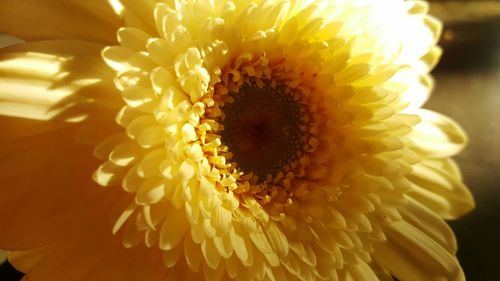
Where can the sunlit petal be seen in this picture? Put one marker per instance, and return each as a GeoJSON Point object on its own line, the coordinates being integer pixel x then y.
{"type": "Point", "coordinates": [91, 20]}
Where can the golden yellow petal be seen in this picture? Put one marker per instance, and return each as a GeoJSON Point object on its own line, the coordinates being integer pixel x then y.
{"type": "Point", "coordinates": [429, 223]}
{"type": "Point", "coordinates": [133, 38]}
{"type": "Point", "coordinates": [173, 229]}
{"type": "Point", "coordinates": [91, 20]}
{"type": "Point", "coordinates": [192, 255]}
{"type": "Point", "coordinates": [56, 80]}
{"type": "Point", "coordinates": [17, 134]}
{"type": "Point", "coordinates": [37, 219]}
{"type": "Point", "coordinates": [59, 262]}
{"type": "Point", "coordinates": [126, 153]}
{"type": "Point", "coordinates": [139, 14]}
{"type": "Point", "coordinates": [98, 251]}
{"type": "Point", "coordinates": [363, 272]}
{"type": "Point", "coordinates": [122, 59]}
{"type": "Point", "coordinates": [109, 174]}
{"type": "Point", "coordinates": [440, 190]}
{"type": "Point", "coordinates": [437, 136]}
{"type": "Point", "coordinates": [410, 255]}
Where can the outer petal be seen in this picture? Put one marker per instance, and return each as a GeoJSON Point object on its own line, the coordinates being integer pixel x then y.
{"type": "Point", "coordinates": [45, 186]}
{"type": "Point", "coordinates": [92, 253]}
{"type": "Point", "coordinates": [429, 223]}
{"type": "Point", "coordinates": [139, 13]}
{"type": "Point", "coordinates": [92, 20]}
{"type": "Point", "coordinates": [411, 255]}
{"type": "Point", "coordinates": [18, 134]}
{"type": "Point", "coordinates": [437, 136]}
{"type": "Point", "coordinates": [440, 190]}
{"type": "Point", "coordinates": [60, 229]}
{"type": "Point", "coordinates": [46, 165]}
{"type": "Point", "coordinates": [56, 80]}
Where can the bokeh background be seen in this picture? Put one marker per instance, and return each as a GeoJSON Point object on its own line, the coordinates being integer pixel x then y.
{"type": "Point", "coordinates": [468, 90]}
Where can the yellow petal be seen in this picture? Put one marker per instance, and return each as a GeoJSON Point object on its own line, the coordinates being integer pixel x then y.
{"type": "Point", "coordinates": [36, 198]}
{"type": "Point", "coordinates": [210, 253]}
{"type": "Point", "coordinates": [137, 96]}
{"type": "Point", "coordinates": [431, 59]}
{"type": "Point", "coordinates": [91, 20]}
{"type": "Point", "coordinates": [409, 254]}
{"type": "Point", "coordinates": [83, 255]}
{"type": "Point", "coordinates": [170, 258]}
{"type": "Point", "coordinates": [363, 272]}
{"type": "Point", "coordinates": [139, 14]}
{"type": "Point", "coordinates": [126, 153]}
{"type": "Point", "coordinates": [124, 216]}
{"type": "Point", "coordinates": [418, 87]}
{"type": "Point", "coordinates": [150, 163]}
{"type": "Point", "coordinates": [122, 59]}
{"type": "Point", "coordinates": [150, 192]}
{"type": "Point", "coordinates": [192, 255]}
{"type": "Point", "coordinates": [277, 239]}
{"type": "Point", "coordinates": [133, 38]}
{"type": "Point", "coordinates": [118, 265]}
{"type": "Point", "coordinates": [240, 246]}
{"type": "Point", "coordinates": [224, 246]}
{"type": "Point", "coordinates": [173, 229]}
{"type": "Point", "coordinates": [57, 261]}
{"type": "Point", "coordinates": [18, 134]}
{"type": "Point", "coordinates": [440, 191]}
{"type": "Point", "coordinates": [437, 136]}
{"type": "Point", "coordinates": [213, 274]}
{"type": "Point", "coordinates": [109, 174]}
{"type": "Point", "coordinates": [429, 223]}
{"type": "Point", "coordinates": [63, 80]}
{"type": "Point", "coordinates": [103, 150]}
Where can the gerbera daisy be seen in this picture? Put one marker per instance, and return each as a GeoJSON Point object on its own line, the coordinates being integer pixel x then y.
{"type": "Point", "coordinates": [226, 140]}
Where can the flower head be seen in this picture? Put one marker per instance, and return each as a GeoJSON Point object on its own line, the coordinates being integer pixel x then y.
{"type": "Point", "coordinates": [237, 140]}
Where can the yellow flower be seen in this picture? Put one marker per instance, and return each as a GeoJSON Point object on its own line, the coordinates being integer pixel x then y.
{"type": "Point", "coordinates": [226, 140]}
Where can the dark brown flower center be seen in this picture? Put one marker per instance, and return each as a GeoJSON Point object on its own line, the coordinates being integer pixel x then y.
{"type": "Point", "coordinates": [265, 128]}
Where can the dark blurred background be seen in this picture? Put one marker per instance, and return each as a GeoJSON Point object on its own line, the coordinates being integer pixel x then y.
{"type": "Point", "coordinates": [467, 89]}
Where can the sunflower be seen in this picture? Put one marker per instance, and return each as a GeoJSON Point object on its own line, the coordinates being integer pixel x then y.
{"type": "Point", "coordinates": [226, 140]}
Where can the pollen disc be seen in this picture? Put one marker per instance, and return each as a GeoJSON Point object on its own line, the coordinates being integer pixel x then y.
{"type": "Point", "coordinates": [265, 127]}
